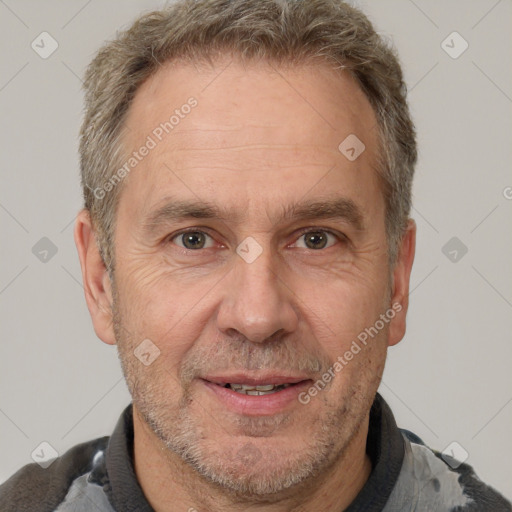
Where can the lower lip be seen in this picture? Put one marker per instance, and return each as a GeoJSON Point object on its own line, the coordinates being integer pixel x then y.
{"type": "Point", "coordinates": [261, 405]}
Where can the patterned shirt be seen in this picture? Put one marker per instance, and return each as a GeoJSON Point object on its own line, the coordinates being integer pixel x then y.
{"type": "Point", "coordinates": [406, 476]}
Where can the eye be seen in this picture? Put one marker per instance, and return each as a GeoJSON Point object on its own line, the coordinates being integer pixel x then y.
{"type": "Point", "coordinates": [193, 240]}
{"type": "Point", "coordinates": [317, 239]}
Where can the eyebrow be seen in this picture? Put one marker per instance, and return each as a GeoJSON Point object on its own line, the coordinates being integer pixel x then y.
{"type": "Point", "coordinates": [174, 210]}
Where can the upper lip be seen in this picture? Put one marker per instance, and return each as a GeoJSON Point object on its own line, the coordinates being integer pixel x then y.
{"type": "Point", "coordinates": [252, 380]}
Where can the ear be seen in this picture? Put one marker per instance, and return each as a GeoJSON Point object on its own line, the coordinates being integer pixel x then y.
{"type": "Point", "coordinates": [97, 285]}
{"type": "Point", "coordinates": [400, 283]}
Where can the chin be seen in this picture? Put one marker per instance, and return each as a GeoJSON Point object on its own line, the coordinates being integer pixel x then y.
{"type": "Point", "coordinates": [261, 468]}
{"type": "Point", "coordinates": [259, 473]}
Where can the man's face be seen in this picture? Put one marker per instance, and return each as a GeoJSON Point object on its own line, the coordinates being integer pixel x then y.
{"type": "Point", "coordinates": [258, 295]}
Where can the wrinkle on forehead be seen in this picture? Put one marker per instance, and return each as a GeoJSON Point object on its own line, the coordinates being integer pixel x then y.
{"type": "Point", "coordinates": [253, 130]}
{"type": "Point", "coordinates": [255, 101]}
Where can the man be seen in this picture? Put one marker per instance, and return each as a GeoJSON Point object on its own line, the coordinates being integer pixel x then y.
{"type": "Point", "coordinates": [246, 244]}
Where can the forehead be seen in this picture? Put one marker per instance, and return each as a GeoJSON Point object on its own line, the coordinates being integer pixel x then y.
{"type": "Point", "coordinates": [256, 130]}
{"type": "Point", "coordinates": [256, 95]}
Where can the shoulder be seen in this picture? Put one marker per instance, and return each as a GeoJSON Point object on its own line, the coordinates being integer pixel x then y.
{"type": "Point", "coordinates": [442, 483]}
{"type": "Point", "coordinates": [35, 488]}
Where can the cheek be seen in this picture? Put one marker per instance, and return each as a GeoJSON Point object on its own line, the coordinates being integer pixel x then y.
{"type": "Point", "coordinates": [153, 291]}
{"type": "Point", "coordinates": [357, 370]}
{"type": "Point", "coordinates": [156, 306]}
{"type": "Point", "coordinates": [347, 295]}
{"type": "Point", "coordinates": [342, 309]}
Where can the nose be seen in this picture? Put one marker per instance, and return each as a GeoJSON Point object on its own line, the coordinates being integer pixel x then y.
{"type": "Point", "coordinates": [257, 304]}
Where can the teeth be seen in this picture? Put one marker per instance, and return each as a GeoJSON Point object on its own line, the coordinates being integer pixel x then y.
{"type": "Point", "coordinates": [265, 389]}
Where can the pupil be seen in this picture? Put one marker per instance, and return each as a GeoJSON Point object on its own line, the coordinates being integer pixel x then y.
{"type": "Point", "coordinates": [193, 240]}
{"type": "Point", "coordinates": [313, 238]}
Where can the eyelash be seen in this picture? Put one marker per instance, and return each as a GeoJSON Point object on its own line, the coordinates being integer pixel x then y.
{"type": "Point", "coordinates": [340, 236]}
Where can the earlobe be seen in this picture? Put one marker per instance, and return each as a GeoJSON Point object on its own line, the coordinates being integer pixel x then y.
{"type": "Point", "coordinates": [96, 281]}
{"type": "Point", "coordinates": [401, 281]}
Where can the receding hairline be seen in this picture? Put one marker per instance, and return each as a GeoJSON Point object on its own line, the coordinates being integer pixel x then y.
{"type": "Point", "coordinates": [287, 31]}
{"type": "Point", "coordinates": [218, 61]}
{"type": "Point", "coordinates": [218, 64]}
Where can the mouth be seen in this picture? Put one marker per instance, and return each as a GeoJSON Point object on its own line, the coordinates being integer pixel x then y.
{"type": "Point", "coordinates": [265, 389]}
{"type": "Point", "coordinates": [262, 395]}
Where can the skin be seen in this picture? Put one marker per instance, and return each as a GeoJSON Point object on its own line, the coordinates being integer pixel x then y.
{"type": "Point", "coordinates": [258, 140]}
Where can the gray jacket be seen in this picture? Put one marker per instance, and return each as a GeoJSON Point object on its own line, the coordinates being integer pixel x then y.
{"type": "Point", "coordinates": [407, 476]}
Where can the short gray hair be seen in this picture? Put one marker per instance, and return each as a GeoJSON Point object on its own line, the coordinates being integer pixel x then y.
{"type": "Point", "coordinates": [279, 31]}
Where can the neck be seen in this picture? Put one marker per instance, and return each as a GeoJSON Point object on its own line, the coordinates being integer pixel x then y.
{"type": "Point", "coordinates": [170, 484]}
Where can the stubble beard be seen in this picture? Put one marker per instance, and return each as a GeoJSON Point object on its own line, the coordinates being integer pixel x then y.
{"type": "Point", "coordinates": [252, 467]}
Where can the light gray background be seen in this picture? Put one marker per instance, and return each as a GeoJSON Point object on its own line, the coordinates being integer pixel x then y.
{"type": "Point", "coordinates": [448, 380]}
